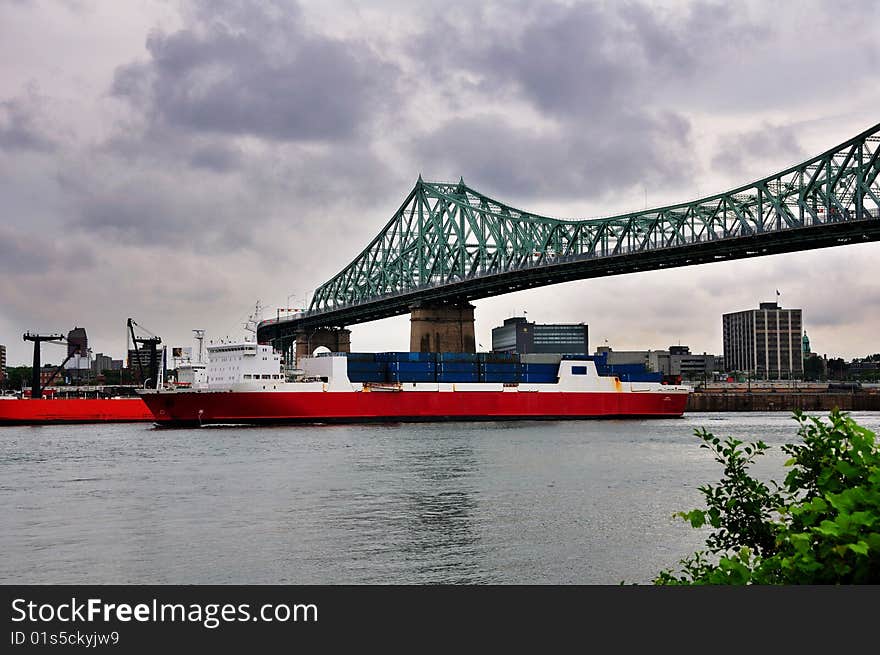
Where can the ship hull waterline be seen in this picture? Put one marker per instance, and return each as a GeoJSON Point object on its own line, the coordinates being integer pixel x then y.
{"type": "Point", "coordinates": [179, 409]}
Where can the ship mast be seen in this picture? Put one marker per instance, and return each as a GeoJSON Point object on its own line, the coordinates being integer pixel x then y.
{"type": "Point", "coordinates": [200, 338]}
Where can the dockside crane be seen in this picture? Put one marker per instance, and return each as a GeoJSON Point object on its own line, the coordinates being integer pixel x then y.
{"type": "Point", "coordinates": [36, 388]}
{"type": "Point", "coordinates": [151, 344]}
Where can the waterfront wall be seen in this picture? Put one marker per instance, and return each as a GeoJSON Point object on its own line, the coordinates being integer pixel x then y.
{"type": "Point", "coordinates": [783, 402]}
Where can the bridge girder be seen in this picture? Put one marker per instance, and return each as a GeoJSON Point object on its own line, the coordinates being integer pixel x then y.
{"type": "Point", "coordinates": [449, 241]}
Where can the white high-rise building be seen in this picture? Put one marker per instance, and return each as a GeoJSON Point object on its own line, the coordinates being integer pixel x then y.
{"type": "Point", "coordinates": [766, 342]}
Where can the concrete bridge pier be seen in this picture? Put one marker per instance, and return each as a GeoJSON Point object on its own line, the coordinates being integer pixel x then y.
{"type": "Point", "coordinates": [442, 327]}
{"type": "Point", "coordinates": [338, 340]}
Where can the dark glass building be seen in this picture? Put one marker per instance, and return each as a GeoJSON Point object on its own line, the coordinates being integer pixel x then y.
{"type": "Point", "coordinates": [517, 335]}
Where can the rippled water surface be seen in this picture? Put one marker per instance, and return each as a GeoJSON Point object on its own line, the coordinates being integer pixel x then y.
{"type": "Point", "coordinates": [586, 502]}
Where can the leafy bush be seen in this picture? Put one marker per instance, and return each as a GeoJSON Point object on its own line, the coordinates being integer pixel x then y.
{"type": "Point", "coordinates": [821, 526]}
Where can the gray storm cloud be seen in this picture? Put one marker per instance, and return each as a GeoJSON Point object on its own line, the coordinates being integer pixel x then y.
{"type": "Point", "coordinates": [255, 70]}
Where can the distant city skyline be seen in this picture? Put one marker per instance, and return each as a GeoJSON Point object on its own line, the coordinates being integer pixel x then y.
{"type": "Point", "coordinates": [177, 161]}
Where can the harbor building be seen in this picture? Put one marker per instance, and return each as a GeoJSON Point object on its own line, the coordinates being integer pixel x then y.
{"type": "Point", "coordinates": [101, 363]}
{"type": "Point", "coordinates": [679, 360]}
{"type": "Point", "coordinates": [519, 336]}
{"type": "Point", "coordinates": [50, 375]}
{"type": "Point", "coordinates": [675, 361]}
{"type": "Point", "coordinates": [766, 343]}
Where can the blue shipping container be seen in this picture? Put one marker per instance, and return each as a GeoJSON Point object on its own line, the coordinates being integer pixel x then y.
{"type": "Point", "coordinates": [423, 367]}
{"type": "Point", "coordinates": [367, 366]}
{"type": "Point", "coordinates": [540, 368]}
{"type": "Point", "coordinates": [509, 367]}
{"type": "Point", "coordinates": [539, 379]}
{"type": "Point", "coordinates": [450, 367]}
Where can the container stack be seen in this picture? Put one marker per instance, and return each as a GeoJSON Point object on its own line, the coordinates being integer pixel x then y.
{"type": "Point", "coordinates": [457, 367]}
{"type": "Point", "coordinates": [499, 367]}
{"type": "Point", "coordinates": [631, 373]}
{"type": "Point", "coordinates": [410, 366]}
{"type": "Point", "coordinates": [508, 368]}
{"type": "Point", "coordinates": [540, 373]}
{"type": "Point", "coordinates": [363, 367]}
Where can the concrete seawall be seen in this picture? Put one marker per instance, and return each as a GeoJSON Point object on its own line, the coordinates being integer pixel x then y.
{"type": "Point", "coordinates": [783, 402]}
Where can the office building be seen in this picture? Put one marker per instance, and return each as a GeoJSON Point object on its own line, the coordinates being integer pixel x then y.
{"type": "Point", "coordinates": [766, 343]}
{"type": "Point", "coordinates": [517, 335]}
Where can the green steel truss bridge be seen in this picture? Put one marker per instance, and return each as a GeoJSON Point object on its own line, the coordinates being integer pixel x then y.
{"type": "Point", "coordinates": [448, 242]}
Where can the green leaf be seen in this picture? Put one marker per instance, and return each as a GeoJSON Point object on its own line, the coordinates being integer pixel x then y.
{"type": "Point", "coordinates": [828, 529]}
{"type": "Point", "coordinates": [801, 541]}
{"type": "Point", "coordinates": [819, 504]}
{"type": "Point", "coordinates": [860, 548]}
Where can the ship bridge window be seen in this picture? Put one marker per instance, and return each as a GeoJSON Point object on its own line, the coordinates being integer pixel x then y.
{"type": "Point", "coordinates": [247, 376]}
{"type": "Point", "coordinates": [578, 370]}
{"type": "Point", "coordinates": [266, 376]}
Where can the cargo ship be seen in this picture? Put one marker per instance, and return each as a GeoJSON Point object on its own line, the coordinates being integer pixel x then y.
{"type": "Point", "coordinates": [245, 383]}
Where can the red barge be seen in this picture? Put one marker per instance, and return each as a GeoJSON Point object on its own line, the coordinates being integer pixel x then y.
{"type": "Point", "coordinates": [41, 405]}
{"type": "Point", "coordinates": [26, 411]}
{"type": "Point", "coordinates": [244, 384]}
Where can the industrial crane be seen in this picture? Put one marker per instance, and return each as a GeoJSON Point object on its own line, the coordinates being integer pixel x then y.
{"type": "Point", "coordinates": [36, 388]}
{"type": "Point", "coordinates": [150, 344]}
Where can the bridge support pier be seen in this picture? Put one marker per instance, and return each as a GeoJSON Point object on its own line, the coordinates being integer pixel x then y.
{"type": "Point", "coordinates": [442, 327]}
{"type": "Point", "coordinates": [338, 340]}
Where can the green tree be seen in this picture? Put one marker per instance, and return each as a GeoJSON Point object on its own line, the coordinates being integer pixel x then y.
{"type": "Point", "coordinates": [821, 526]}
{"type": "Point", "coordinates": [814, 368]}
{"type": "Point", "coordinates": [16, 375]}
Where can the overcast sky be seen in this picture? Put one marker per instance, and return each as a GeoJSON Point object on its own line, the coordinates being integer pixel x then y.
{"type": "Point", "coordinates": [177, 161]}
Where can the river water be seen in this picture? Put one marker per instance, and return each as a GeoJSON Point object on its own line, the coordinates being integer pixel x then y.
{"type": "Point", "coordinates": [585, 502]}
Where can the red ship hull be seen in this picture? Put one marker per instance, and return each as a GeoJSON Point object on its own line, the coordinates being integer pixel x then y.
{"type": "Point", "coordinates": [73, 410]}
{"type": "Point", "coordinates": [194, 408]}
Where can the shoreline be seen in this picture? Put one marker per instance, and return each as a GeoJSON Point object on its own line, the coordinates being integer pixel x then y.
{"type": "Point", "coordinates": [782, 401]}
